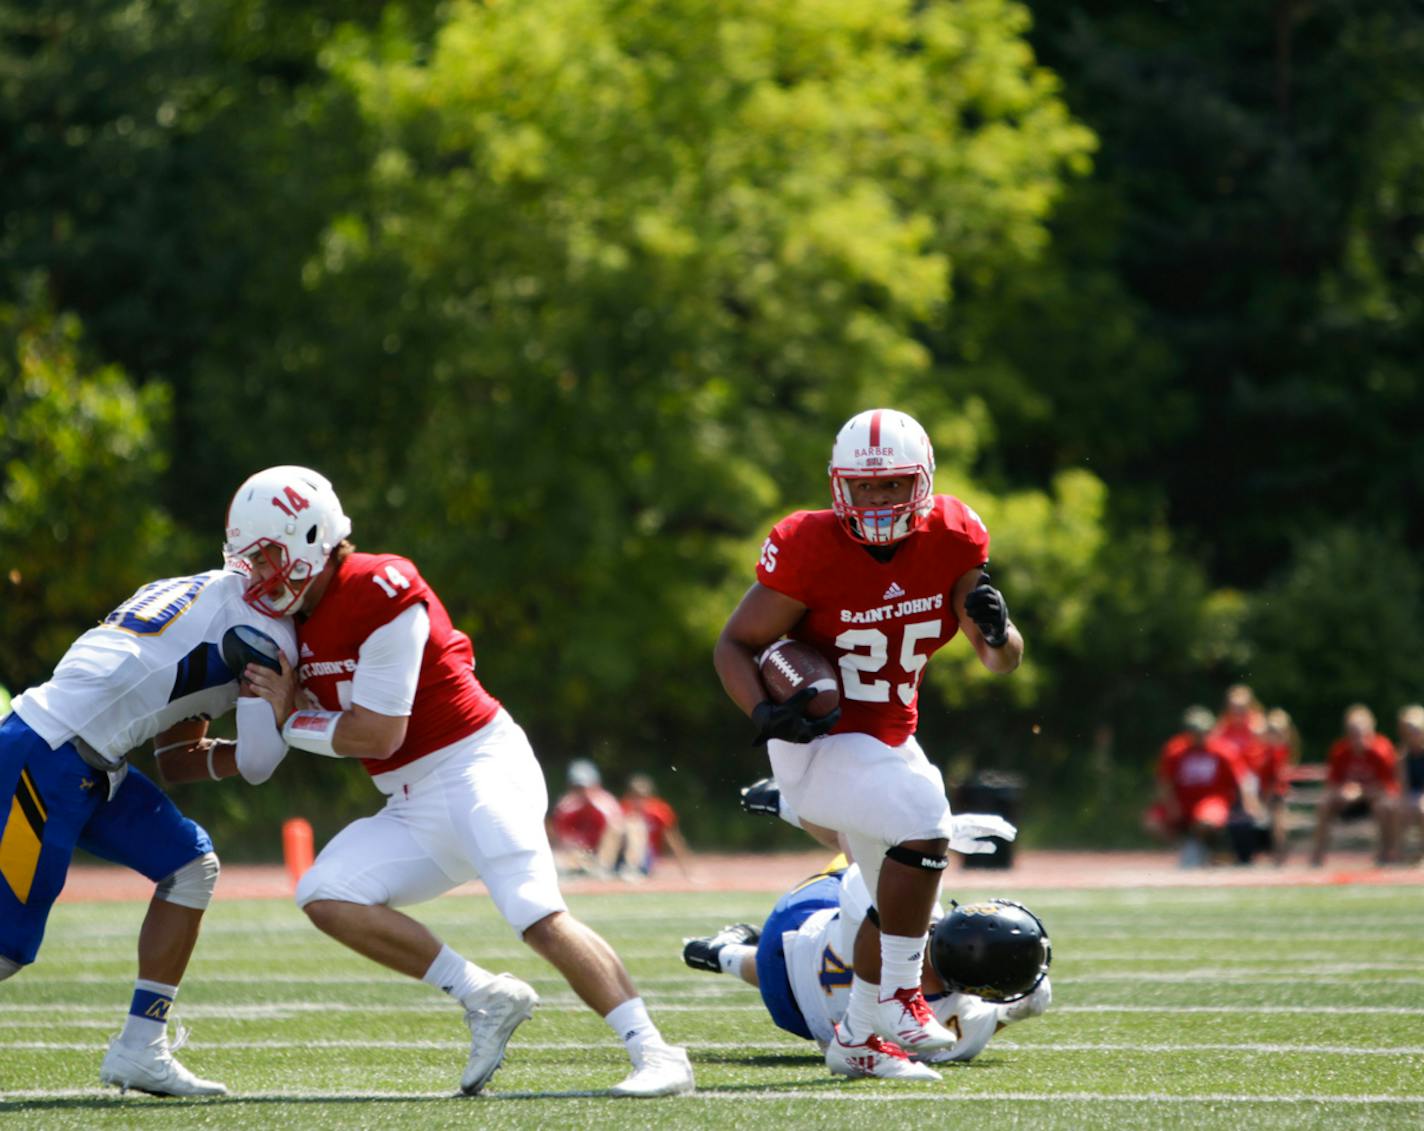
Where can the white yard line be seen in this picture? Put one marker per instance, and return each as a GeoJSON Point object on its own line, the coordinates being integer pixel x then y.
{"type": "Point", "coordinates": [787, 1045]}
{"type": "Point", "coordinates": [849, 1093]}
{"type": "Point", "coordinates": [569, 1005]}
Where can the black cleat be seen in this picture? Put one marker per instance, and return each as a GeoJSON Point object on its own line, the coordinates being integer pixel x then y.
{"type": "Point", "coordinates": [762, 797]}
{"type": "Point", "coordinates": [704, 953]}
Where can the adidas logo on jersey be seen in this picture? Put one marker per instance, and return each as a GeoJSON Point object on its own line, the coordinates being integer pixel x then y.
{"type": "Point", "coordinates": [893, 592]}
{"type": "Point", "coordinates": [306, 651]}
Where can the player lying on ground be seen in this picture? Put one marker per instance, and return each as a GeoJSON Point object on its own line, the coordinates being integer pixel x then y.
{"type": "Point", "coordinates": [158, 667]}
{"type": "Point", "coordinates": [986, 966]}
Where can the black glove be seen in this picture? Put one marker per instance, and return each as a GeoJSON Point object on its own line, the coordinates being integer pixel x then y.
{"type": "Point", "coordinates": [788, 722]}
{"type": "Point", "coordinates": [762, 796]}
{"type": "Point", "coordinates": [986, 608]}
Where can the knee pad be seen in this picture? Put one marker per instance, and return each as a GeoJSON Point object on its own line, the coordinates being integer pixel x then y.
{"type": "Point", "coordinates": [8, 968]}
{"type": "Point", "coordinates": [192, 885]}
{"type": "Point", "coordinates": [902, 855]}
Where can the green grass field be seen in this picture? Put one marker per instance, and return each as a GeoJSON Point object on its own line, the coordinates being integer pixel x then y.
{"type": "Point", "coordinates": [1284, 1007]}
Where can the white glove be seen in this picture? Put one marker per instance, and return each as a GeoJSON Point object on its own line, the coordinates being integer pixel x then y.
{"type": "Point", "coordinates": [970, 828]}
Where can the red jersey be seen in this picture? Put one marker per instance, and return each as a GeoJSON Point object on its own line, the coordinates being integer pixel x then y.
{"type": "Point", "coordinates": [657, 814]}
{"type": "Point", "coordinates": [1374, 765]}
{"type": "Point", "coordinates": [1195, 769]}
{"type": "Point", "coordinates": [1269, 762]}
{"type": "Point", "coordinates": [581, 818]}
{"type": "Point", "coordinates": [368, 591]}
{"type": "Point", "coordinates": [877, 621]}
{"type": "Point", "coordinates": [1240, 737]}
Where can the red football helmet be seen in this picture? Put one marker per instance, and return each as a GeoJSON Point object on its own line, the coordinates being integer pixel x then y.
{"type": "Point", "coordinates": [882, 444]}
{"type": "Point", "coordinates": [282, 527]}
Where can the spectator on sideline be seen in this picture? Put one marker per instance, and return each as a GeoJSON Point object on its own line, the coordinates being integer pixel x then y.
{"type": "Point", "coordinates": [1199, 792]}
{"type": "Point", "coordinates": [586, 825]}
{"type": "Point", "coordinates": [1241, 724]}
{"type": "Point", "coordinates": [1276, 753]}
{"type": "Point", "coordinates": [1411, 773]}
{"type": "Point", "coordinates": [1360, 777]}
{"type": "Point", "coordinates": [651, 829]}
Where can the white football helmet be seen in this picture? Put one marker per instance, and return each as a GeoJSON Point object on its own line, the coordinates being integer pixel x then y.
{"type": "Point", "coordinates": [282, 527]}
{"type": "Point", "coordinates": [882, 444]}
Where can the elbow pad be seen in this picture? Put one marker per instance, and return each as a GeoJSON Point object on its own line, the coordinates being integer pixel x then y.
{"type": "Point", "coordinates": [260, 748]}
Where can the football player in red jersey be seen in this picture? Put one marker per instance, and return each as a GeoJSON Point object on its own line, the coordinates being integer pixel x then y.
{"type": "Point", "coordinates": [877, 584]}
{"type": "Point", "coordinates": [394, 686]}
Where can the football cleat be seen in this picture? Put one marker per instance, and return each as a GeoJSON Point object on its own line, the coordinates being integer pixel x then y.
{"type": "Point", "coordinates": [874, 1057]}
{"type": "Point", "coordinates": [906, 1018]}
{"type": "Point", "coordinates": [501, 1008]}
{"type": "Point", "coordinates": [153, 1069]}
{"type": "Point", "coordinates": [705, 953]}
{"type": "Point", "coordinates": [658, 1070]}
{"type": "Point", "coordinates": [762, 796]}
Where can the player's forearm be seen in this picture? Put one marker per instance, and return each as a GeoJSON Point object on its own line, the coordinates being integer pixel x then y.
{"type": "Point", "coordinates": [1006, 657]}
{"type": "Point", "coordinates": [205, 759]}
{"type": "Point", "coordinates": [357, 733]}
{"type": "Point", "coordinates": [736, 668]}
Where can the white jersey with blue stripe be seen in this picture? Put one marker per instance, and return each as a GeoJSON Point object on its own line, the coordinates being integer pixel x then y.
{"type": "Point", "coordinates": [154, 661]}
{"type": "Point", "coordinates": [819, 958]}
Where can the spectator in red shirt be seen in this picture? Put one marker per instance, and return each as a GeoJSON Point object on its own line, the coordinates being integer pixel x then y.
{"type": "Point", "coordinates": [1361, 774]}
{"type": "Point", "coordinates": [652, 828]}
{"type": "Point", "coordinates": [1241, 723]}
{"type": "Point", "coordinates": [1198, 789]}
{"type": "Point", "coordinates": [586, 825]}
{"type": "Point", "coordinates": [1411, 772]}
{"type": "Point", "coordinates": [1270, 764]}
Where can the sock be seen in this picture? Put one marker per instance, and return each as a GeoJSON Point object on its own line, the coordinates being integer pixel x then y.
{"type": "Point", "coordinates": [457, 976]}
{"type": "Point", "coordinates": [731, 955]}
{"type": "Point", "coordinates": [901, 962]}
{"type": "Point", "coordinates": [147, 1022]}
{"type": "Point", "coordinates": [633, 1026]}
{"type": "Point", "coordinates": [859, 1022]}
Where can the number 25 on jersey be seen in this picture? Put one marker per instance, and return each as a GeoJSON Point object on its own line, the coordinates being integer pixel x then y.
{"type": "Point", "coordinates": [865, 651]}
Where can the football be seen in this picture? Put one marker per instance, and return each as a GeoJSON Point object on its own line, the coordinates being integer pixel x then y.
{"type": "Point", "coordinates": [242, 645]}
{"type": "Point", "coordinates": [788, 666]}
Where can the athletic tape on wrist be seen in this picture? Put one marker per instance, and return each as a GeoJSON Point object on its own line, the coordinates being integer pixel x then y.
{"type": "Point", "coordinates": [313, 731]}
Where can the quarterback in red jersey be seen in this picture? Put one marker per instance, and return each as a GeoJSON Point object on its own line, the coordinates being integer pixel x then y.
{"type": "Point", "coordinates": [393, 685]}
{"type": "Point", "coordinates": [877, 584]}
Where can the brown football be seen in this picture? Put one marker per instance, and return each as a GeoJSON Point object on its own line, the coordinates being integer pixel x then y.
{"type": "Point", "coordinates": [789, 665]}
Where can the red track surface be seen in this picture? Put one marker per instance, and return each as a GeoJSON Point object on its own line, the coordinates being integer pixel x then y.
{"type": "Point", "coordinates": [774, 873]}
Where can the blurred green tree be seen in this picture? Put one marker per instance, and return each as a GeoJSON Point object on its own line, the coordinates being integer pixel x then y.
{"type": "Point", "coordinates": [81, 453]}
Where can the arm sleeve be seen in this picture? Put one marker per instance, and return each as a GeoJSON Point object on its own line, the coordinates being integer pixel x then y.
{"type": "Point", "coordinates": [388, 664]}
{"type": "Point", "coordinates": [260, 747]}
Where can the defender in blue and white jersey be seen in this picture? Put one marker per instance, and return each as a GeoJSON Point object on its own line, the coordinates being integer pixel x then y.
{"type": "Point", "coordinates": [153, 669]}
{"type": "Point", "coordinates": [800, 960]}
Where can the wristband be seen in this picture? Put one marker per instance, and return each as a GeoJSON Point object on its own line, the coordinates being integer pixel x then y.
{"type": "Point", "coordinates": [212, 773]}
{"type": "Point", "coordinates": [312, 731]}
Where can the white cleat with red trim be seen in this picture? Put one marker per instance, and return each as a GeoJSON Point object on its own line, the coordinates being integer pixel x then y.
{"type": "Point", "coordinates": [906, 1019]}
{"type": "Point", "coordinates": [873, 1057]}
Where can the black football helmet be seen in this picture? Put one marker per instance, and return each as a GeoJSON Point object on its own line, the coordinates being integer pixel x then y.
{"type": "Point", "coordinates": [995, 949]}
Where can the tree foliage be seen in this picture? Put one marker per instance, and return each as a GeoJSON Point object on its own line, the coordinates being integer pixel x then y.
{"type": "Point", "coordinates": [569, 299]}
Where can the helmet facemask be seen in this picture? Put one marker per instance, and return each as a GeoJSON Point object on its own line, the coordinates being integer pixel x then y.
{"type": "Point", "coordinates": [880, 526]}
